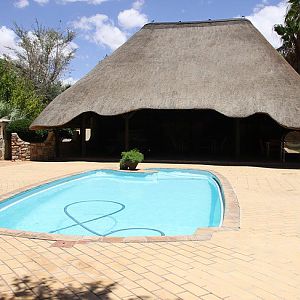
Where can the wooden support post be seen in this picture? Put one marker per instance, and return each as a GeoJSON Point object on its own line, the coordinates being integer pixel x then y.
{"type": "Point", "coordinates": [93, 127]}
{"type": "Point", "coordinates": [57, 143]}
{"type": "Point", "coordinates": [127, 117]}
{"type": "Point", "coordinates": [82, 136]}
{"type": "Point", "coordinates": [126, 133]}
{"type": "Point", "coordinates": [237, 139]}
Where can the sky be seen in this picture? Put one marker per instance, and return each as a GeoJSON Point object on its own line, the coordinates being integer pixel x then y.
{"type": "Point", "coordinates": [104, 25]}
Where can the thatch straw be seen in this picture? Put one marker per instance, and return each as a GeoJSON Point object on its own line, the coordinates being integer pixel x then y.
{"type": "Point", "coordinates": [227, 66]}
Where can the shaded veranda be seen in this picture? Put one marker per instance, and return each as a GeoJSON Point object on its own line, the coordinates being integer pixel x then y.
{"type": "Point", "coordinates": [175, 134]}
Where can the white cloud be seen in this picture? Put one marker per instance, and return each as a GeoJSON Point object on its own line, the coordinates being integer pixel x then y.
{"type": "Point", "coordinates": [69, 80]}
{"type": "Point", "coordinates": [138, 4]}
{"type": "Point", "coordinates": [265, 16]}
{"type": "Point", "coordinates": [21, 3]}
{"type": "Point", "coordinates": [133, 18]}
{"type": "Point", "coordinates": [41, 2]}
{"type": "Point", "coordinates": [261, 5]}
{"type": "Point", "coordinates": [101, 30]}
{"type": "Point", "coordinates": [8, 41]}
{"type": "Point", "coordinates": [94, 2]}
{"type": "Point", "coordinates": [70, 48]}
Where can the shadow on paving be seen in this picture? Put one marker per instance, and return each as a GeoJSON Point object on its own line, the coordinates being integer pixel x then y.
{"type": "Point", "coordinates": [27, 288]}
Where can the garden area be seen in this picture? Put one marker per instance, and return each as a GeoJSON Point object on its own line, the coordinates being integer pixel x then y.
{"type": "Point", "coordinates": [32, 77]}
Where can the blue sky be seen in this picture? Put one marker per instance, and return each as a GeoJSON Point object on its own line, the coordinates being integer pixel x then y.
{"type": "Point", "coordinates": [103, 25]}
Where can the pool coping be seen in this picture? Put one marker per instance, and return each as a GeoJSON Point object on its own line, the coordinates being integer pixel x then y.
{"type": "Point", "coordinates": [231, 219]}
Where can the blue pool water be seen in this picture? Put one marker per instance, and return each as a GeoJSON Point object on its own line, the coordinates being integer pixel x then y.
{"type": "Point", "coordinates": [112, 203]}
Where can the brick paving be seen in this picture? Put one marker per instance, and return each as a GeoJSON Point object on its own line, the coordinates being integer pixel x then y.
{"type": "Point", "coordinates": [260, 261]}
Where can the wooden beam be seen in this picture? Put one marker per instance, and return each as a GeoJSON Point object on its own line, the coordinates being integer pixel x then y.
{"type": "Point", "coordinates": [83, 136]}
{"type": "Point", "coordinates": [126, 137]}
{"type": "Point", "coordinates": [57, 143]}
{"type": "Point", "coordinates": [127, 117]}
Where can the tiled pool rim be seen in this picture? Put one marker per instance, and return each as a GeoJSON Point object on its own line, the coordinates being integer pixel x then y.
{"type": "Point", "coordinates": [231, 220]}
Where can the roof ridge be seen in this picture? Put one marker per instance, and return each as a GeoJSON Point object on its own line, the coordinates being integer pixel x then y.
{"type": "Point", "coordinates": [182, 23]}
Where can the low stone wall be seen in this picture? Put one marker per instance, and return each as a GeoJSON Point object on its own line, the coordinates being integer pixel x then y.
{"type": "Point", "coordinates": [21, 150]}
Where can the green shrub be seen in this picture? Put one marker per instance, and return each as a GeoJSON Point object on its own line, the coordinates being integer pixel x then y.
{"type": "Point", "coordinates": [131, 159]}
{"type": "Point", "coordinates": [134, 156]}
{"type": "Point", "coordinates": [17, 94]}
{"type": "Point", "coordinates": [21, 127]}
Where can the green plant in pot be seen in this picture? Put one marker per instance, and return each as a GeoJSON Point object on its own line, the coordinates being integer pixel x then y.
{"type": "Point", "coordinates": [130, 159]}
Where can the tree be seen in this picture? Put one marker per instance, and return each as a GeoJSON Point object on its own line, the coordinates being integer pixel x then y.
{"type": "Point", "coordinates": [18, 98]}
{"type": "Point", "coordinates": [43, 56]}
{"type": "Point", "coordinates": [9, 112]}
{"type": "Point", "coordinates": [290, 35]}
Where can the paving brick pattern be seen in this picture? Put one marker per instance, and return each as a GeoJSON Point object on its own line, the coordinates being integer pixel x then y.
{"type": "Point", "coordinates": [260, 261]}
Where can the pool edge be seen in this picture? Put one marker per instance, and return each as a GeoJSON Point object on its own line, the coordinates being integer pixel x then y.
{"type": "Point", "coordinates": [231, 219]}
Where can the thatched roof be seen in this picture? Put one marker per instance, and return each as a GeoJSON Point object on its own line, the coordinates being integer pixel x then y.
{"type": "Point", "coordinates": [226, 65]}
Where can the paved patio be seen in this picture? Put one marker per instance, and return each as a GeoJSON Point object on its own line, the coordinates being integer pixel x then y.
{"type": "Point", "coordinates": [260, 261]}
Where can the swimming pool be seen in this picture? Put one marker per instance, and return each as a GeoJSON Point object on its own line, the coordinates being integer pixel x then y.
{"type": "Point", "coordinates": [119, 204]}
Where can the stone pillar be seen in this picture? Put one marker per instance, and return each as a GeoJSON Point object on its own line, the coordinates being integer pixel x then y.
{"type": "Point", "coordinates": [3, 139]}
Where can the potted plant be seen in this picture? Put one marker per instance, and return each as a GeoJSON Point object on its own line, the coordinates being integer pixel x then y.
{"type": "Point", "coordinates": [130, 159]}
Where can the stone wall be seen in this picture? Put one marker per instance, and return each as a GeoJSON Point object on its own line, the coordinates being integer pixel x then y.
{"type": "Point", "coordinates": [21, 150]}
